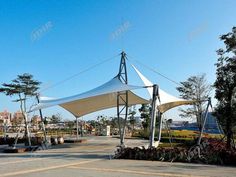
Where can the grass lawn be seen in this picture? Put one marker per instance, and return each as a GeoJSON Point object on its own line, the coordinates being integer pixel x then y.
{"type": "Point", "coordinates": [189, 134]}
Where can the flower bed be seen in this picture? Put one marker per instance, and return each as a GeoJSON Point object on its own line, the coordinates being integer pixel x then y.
{"type": "Point", "coordinates": [211, 151]}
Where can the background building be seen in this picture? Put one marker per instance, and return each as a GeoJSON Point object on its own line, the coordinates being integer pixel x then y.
{"type": "Point", "coordinates": [5, 117]}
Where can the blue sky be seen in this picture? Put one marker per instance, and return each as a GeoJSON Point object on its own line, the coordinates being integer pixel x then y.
{"type": "Point", "coordinates": [54, 40]}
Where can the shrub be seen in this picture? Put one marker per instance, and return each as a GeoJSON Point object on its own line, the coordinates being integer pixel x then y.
{"type": "Point", "coordinates": [212, 151]}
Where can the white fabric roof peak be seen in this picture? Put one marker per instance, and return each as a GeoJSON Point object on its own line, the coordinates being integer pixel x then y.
{"type": "Point", "coordinates": [167, 101]}
{"type": "Point", "coordinates": [96, 99]}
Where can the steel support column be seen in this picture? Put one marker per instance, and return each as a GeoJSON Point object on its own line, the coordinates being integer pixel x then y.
{"type": "Point", "coordinates": [122, 110]}
{"type": "Point", "coordinates": [77, 128]}
{"type": "Point", "coordinates": [159, 127]}
{"type": "Point", "coordinates": [42, 121]}
{"type": "Point", "coordinates": [153, 115]}
{"type": "Point", "coordinates": [122, 98]}
{"type": "Point", "coordinates": [204, 121]}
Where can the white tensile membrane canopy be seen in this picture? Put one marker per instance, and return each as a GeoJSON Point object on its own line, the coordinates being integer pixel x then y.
{"type": "Point", "coordinates": [102, 97]}
{"type": "Point", "coordinates": [105, 96]}
{"type": "Point", "coordinates": [165, 101]}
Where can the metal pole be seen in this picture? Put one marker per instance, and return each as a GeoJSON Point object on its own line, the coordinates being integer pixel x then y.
{"type": "Point", "coordinates": [82, 133]}
{"type": "Point", "coordinates": [77, 128]}
{"type": "Point", "coordinates": [42, 122]}
{"type": "Point", "coordinates": [118, 116]}
{"type": "Point", "coordinates": [204, 122]}
{"type": "Point", "coordinates": [5, 131]}
{"type": "Point", "coordinates": [160, 125]}
{"type": "Point", "coordinates": [126, 115]}
{"type": "Point", "coordinates": [122, 97]}
{"type": "Point", "coordinates": [153, 115]}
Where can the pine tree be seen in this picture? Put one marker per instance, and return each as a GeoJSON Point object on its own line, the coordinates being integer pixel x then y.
{"type": "Point", "coordinates": [23, 87]}
{"type": "Point", "coordinates": [145, 111]}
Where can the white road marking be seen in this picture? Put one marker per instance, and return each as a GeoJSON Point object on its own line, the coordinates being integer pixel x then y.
{"type": "Point", "coordinates": [47, 168]}
{"type": "Point", "coordinates": [20, 161]}
{"type": "Point", "coordinates": [134, 172]}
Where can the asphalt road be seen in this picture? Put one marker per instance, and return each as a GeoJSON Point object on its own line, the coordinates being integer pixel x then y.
{"type": "Point", "coordinates": [94, 158]}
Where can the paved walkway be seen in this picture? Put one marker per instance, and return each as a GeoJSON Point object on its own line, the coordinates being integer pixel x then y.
{"type": "Point", "coordinates": [93, 158]}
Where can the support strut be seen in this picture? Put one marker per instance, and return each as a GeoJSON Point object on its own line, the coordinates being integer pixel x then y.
{"type": "Point", "coordinates": [204, 121]}
{"type": "Point", "coordinates": [42, 121]}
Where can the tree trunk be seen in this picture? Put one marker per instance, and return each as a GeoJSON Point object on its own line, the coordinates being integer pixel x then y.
{"type": "Point", "coordinates": [23, 111]}
{"type": "Point", "coordinates": [229, 135]}
{"type": "Point", "coordinates": [199, 121]}
{"type": "Point", "coordinates": [228, 125]}
{"type": "Point", "coordinates": [229, 132]}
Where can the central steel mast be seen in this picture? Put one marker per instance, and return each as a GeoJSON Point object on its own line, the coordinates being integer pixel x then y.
{"type": "Point", "coordinates": [122, 98]}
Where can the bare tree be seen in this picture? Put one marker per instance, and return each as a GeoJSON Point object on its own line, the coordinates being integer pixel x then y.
{"type": "Point", "coordinates": [195, 88]}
